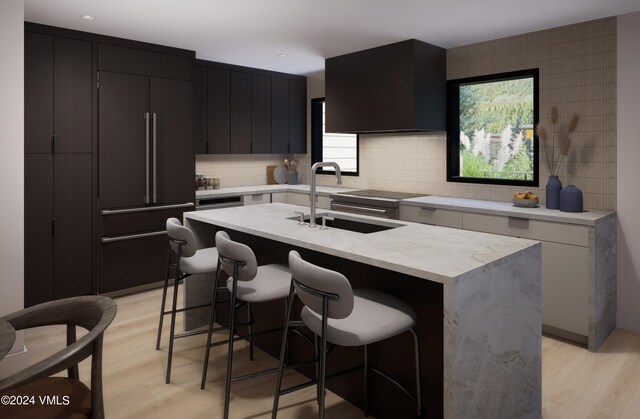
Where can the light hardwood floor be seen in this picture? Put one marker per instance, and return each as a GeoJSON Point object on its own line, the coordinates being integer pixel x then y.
{"type": "Point", "coordinates": [575, 383]}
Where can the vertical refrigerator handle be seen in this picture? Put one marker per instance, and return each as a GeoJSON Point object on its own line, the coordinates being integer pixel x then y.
{"type": "Point", "coordinates": [147, 198]}
{"type": "Point", "coordinates": [155, 160]}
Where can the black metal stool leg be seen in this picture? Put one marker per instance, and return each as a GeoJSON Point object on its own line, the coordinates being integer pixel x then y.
{"type": "Point", "coordinates": [249, 316]}
{"type": "Point", "coordinates": [366, 380]}
{"type": "Point", "coordinates": [283, 351]}
{"type": "Point", "coordinates": [212, 319]}
{"type": "Point", "coordinates": [232, 321]}
{"type": "Point", "coordinates": [323, 356]}
{"type": "Point", "coordinates": [416, 345]}
{"type": "Point", "coordinates": [164, 298]}
{"type": "Point", "coordinates": [173, 316]}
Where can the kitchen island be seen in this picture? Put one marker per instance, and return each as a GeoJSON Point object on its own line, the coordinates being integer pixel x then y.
{"type": "Point", "coordinates": [477, 297]}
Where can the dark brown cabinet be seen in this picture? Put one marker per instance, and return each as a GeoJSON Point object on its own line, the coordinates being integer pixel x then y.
{"type": "Point", "coordinates": [146, 147]}
{"type": "Point", "coordinates": [260, 114]}
{"type": "Point", "coordinates": [146, 166]}
{"type": "Point", "coordinates": [396, 87]}
{"type": "Point", "coordinates": [59, 192]}
{"type": "Point", "coordinates": [248, 110]}
{"type": "Point", "coordinates": [58, 226]}
{"type": "Point", "coordinates": [57, 120]}
{"type": "Point", "coordinates": [240, 113]}
{"type": "Point", "coordinates": [218, 110]}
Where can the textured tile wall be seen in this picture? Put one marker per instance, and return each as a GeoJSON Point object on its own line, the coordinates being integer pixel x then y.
{"type": "Point", "coordinates": [577, 73]}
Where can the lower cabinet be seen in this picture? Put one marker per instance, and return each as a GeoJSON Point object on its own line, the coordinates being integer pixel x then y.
{"type": "Point", "coordinates": [132, 260]}
{"type": "Point", "coordinates": [566, 261]}
{"type": "Point", "coordinates": [58, 226]}
{"type": "Point", "coordinates": [133, 247]}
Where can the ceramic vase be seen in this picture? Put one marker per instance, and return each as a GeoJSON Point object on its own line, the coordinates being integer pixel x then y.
{"type": "Point", "coordinates": [571, 199]}
{"type": "Point", "coordinates": [292, 178]}
{"type": "Point", "coordinates": [554, 186]}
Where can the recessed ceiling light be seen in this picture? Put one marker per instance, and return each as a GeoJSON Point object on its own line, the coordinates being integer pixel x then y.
{"type": "Point", "coordinates": [283, 55]}
{"type": "Point", "coordinates": [88, 17]}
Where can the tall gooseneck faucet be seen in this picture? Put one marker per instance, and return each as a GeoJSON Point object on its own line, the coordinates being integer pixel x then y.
{"type": "Point", "coordinates": [312, 194]}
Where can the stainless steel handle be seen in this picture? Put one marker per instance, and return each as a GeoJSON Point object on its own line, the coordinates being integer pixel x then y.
{"type": "Point", "coordinates": [352, 208]}
{"type": "Point", "coordinates": [147, 198]}
{"type": "Point", "coordinates": [132, 236]}
{"type": "Point", "coordinates": [324, 222]}
{"type": "Point", "coordinates": [155, 160]}
{"type": "Point", "coordinates": [144, 209]}
{"type": "Point", "coordinates": [301, 214]}
{"type": "Point", "coordinates": [428, 208]}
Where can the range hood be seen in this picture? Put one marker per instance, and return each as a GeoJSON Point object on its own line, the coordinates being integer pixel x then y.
{"type": "Point", "coordinates": [398, 87]}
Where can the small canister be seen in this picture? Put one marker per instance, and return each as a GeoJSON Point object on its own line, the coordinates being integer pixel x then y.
{"type": "Point", "coordinates": [215, 183]}
{"type": "Point", "coordinates": [200, 184]}
{"type": "Point", "coordinates": [208, 182]}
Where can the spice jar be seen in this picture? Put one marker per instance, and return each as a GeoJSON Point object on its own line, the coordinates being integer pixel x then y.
{"type": "Point", "coordinates": [200, 184]}
{"type": "Point", "coordinates": [215, 183]}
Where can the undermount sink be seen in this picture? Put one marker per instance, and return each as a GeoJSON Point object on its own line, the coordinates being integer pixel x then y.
{"type": "Point", "coordinates": [351, 224]}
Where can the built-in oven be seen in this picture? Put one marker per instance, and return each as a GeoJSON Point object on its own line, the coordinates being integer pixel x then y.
{"type": "Point", "coordinates": [384, 204]}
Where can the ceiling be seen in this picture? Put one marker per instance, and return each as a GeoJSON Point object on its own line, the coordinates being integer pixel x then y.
{"type": "Point", "coordinates": [254, 32]}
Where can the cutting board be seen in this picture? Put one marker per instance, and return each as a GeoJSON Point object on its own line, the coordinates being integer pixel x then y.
{"type": "Point", "coordinates": [270, 179]}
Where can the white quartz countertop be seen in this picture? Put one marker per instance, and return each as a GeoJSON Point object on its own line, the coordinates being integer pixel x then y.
{"type": "Point", "coordinates": [258, 189]}
{"type": "Point", "coordinates": [587, 217]}
{"type": "Point", "coordinates": [435, 253]}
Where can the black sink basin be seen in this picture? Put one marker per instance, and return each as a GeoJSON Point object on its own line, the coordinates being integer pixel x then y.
{"type": "Point", "coordinates": [359, 226]}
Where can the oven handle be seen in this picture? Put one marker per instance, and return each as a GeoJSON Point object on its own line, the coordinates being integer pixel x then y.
{"type": "Point", "coordinates": [360, 210]}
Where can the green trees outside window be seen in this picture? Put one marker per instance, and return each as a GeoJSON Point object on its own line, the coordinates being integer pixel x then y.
{"type": "Point", "coordinates": [491, 129]}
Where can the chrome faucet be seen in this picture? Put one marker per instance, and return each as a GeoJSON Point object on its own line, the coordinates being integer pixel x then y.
{"type": "Point", "coordinates": [312, 194]}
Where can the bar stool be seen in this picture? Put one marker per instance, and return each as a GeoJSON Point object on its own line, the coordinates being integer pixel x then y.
{"type": "Point", "coordinates": [247, 283]}
{"type": "Point", "coordinates": [343, 317]}
{"type": "Point", "coordinates": [188, 261]}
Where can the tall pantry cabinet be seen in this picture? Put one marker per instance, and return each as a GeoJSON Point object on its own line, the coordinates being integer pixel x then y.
{"type": "Point", "coordinates": [59, 245]}
{"type": "Point", "coordinates": [108, 158]}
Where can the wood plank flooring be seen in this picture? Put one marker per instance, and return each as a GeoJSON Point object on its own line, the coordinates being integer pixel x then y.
{"type": "Point", "coordinates": [575, 383]}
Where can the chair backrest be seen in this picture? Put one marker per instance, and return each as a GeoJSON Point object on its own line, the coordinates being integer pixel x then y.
{"type": "Point", "coordinates": [94, 313]}
{"type": "Point", "coordinates": [227, 248]}
{"type": "Point", "coordinates": [322, 281]}
{"type": "Point", "coordinates": [176, 231]}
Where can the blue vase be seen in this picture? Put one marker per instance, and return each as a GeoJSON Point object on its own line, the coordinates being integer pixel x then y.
{"type": "Point", "coordinates": [571, 199]}
{"type": "Point", "coordinates": [554, 186]}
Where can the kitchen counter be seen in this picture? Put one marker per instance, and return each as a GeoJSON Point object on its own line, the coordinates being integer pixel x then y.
{"type": "Point", "coordinates": [587, 217]}
{"type": "Point", "coordinates": [258, 189]}
{"type": "Point", "coordinates": [489, 296]}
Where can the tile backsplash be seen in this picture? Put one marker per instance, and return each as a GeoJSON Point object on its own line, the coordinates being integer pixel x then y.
{"type": "Point", "coordinates": [577, 67]}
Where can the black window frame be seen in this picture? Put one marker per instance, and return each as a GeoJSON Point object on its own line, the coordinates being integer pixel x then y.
{"type": "Point", "coordinates": [317, 140]}
{"type": "Point", "coordinates": [453, 128]}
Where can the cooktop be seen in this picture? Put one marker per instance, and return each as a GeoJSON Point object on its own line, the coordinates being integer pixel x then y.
{"type": "Point", "coordinates": [373, 193]}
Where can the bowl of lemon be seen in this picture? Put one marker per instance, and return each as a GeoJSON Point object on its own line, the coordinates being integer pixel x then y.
{"type": "Point", "coordinates": [525, 199]}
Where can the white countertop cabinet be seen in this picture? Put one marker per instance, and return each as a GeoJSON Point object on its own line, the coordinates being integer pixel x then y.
{"type": "Point", "coordinates": [578, 257]}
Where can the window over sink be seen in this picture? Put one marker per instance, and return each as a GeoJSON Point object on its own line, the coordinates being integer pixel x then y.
{"type": "Point", "coordinates": [336, 147]}
{"type": "Point", "coordinates": [491, 129]}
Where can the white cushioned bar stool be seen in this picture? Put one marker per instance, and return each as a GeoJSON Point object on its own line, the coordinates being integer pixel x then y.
{"type": "Point", "coordinates": [188, 261]}
{"type": "Point", "coordinates": [248, 283]}
{"type": "Point", "coordinates": [344, 317]}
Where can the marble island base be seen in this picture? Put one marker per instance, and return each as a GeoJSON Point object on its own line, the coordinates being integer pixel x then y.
{"type": "Point", "coordinates": [479, 331]}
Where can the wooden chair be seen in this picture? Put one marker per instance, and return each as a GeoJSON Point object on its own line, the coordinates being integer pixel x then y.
{"type": "Point", "coordinates": [93, 313]}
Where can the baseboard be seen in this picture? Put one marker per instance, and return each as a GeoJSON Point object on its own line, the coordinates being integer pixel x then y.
{"type": "Point", "coordinates": [134, 290]}
{"type": "Point", "coordinates": [628, 321]}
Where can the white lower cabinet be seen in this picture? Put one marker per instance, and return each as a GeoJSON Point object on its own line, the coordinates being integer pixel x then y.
{"type": "Point", "coordinates": [565, 268]}
{"type": "Point", "coordinates": [565, 300]}
{"type": "Point", "coordinates": [279, 197]}
{"type": "Point", "coordinates": [566, 261]}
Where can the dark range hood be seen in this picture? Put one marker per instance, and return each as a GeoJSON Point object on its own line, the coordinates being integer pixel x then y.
{"type": "Point", "coordinates": [393, 88]}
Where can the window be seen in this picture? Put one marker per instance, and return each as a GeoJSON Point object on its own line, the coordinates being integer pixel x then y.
{"type": "Point", "coordinates": [339, 148]}
{"type": "Point", "coordinates": [491, 136]}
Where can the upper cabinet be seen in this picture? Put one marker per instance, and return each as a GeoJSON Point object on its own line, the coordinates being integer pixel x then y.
{"type": "Point", "coordinates": [240, 110]}
{"type": "Point", "coordinates": [58, 94]}
{"type": "Point", "coordinates": [396, 87]}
